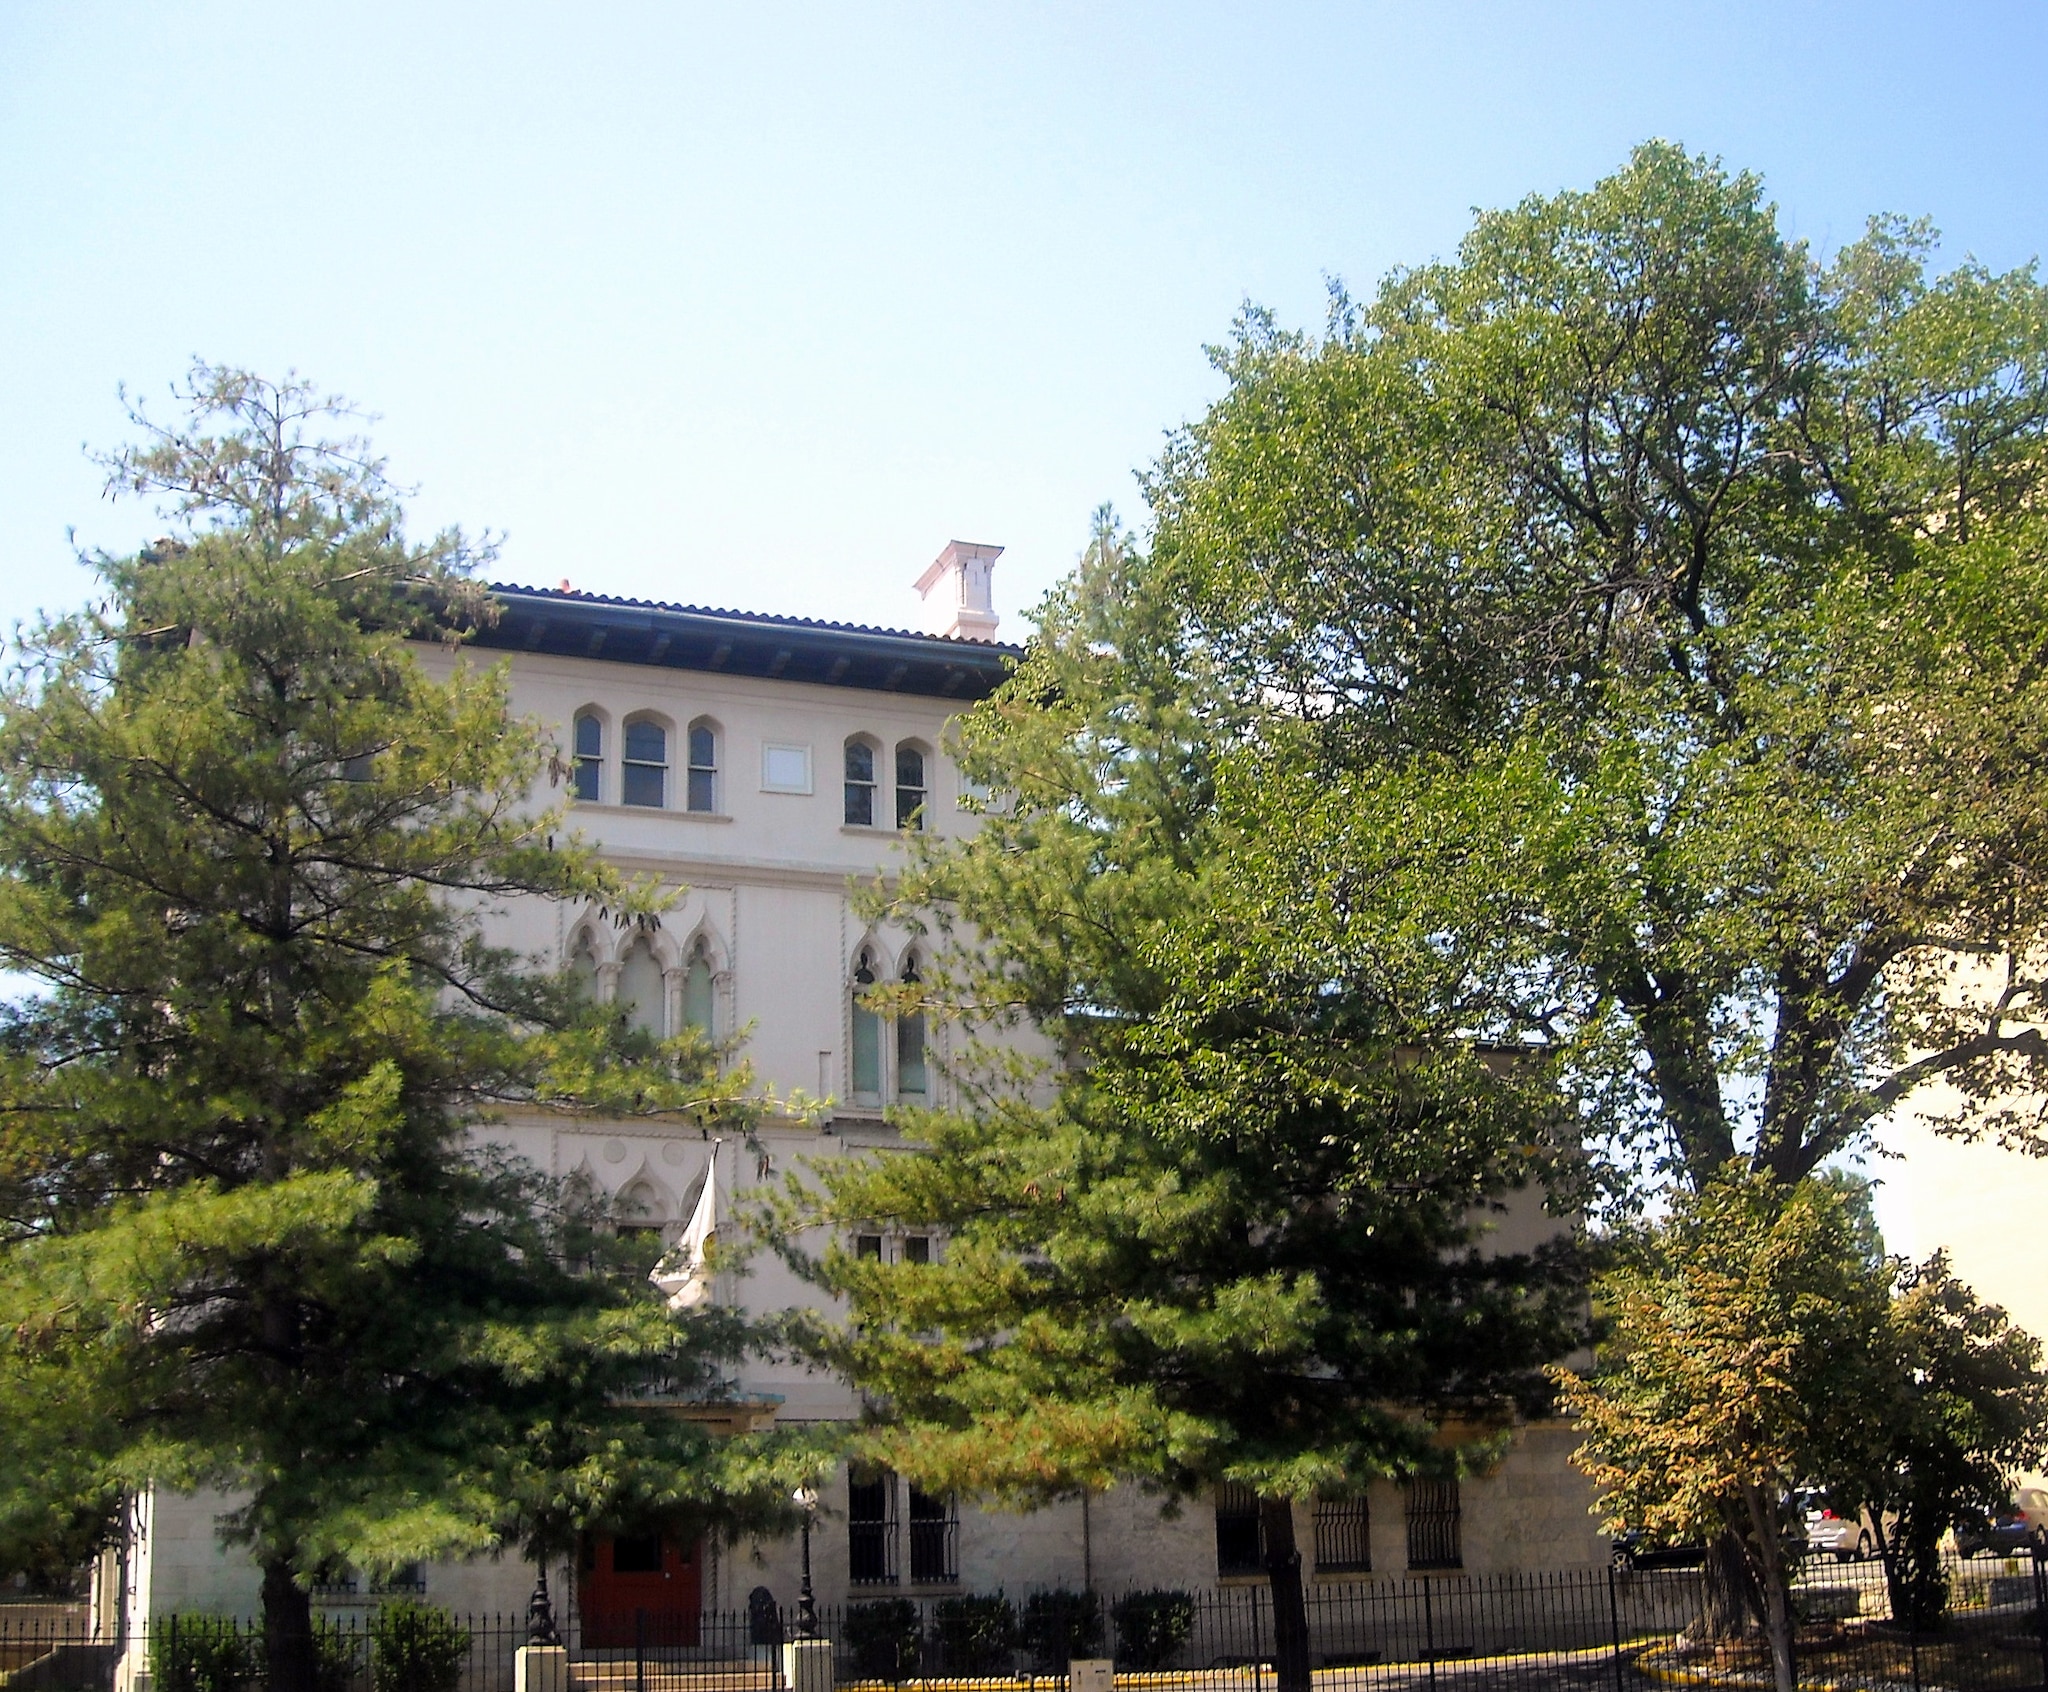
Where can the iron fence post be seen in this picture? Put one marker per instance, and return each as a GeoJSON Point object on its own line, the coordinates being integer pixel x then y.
{"type": "Point", "coordinates": [639, 1650]}
{"type": "Point", "coordinates": [1912, 1625]}
{"type": "Point", "coordinates": [1428, 1634]}
{"type": "Point", "coordinates": [2041, 1608]}
{"type": "Point", "coordinates": [1614, 1626]}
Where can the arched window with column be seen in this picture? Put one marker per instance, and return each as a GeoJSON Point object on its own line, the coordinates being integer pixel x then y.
{"type": "Point", "coordinates": [911, 1082]}
{"type": "Point", "coordinates": [586, 779]}
{"type": "Point", "coordinates": [867, 1034]}
{"type": "Point", "coordinates": [703, 749]}
{"type": "Point", "coordinates": [643, 772]}
{"type": "Point", "coordinates": [583, 966]}
{"type": "Point", "coordinates": [699, 990]}
{"type": "Point", "coordinates": [643, 989]}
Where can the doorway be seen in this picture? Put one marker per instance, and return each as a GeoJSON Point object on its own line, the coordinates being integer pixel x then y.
{"type": "Point", "coordinates": [639, 1589]}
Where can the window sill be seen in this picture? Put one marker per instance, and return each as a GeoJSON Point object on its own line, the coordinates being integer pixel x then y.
{"type": "Point", "coordinates": [585, 805]}
{"type": "Point", "coordinates": [875, 829]}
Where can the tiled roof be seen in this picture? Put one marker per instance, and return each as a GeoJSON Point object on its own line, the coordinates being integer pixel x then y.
{"type": "Point", "coordinates": [765, 618]}
{"type": "Point", "coordinates": [566, 623]}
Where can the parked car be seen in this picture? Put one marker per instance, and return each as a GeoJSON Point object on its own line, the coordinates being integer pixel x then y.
{"type": "Point", "coordinates": [1632, 1550]}
{"type": "Point", "coordinates": [2010, 1532]}
{"type": "Point", "coordinates": [1848, 1539]}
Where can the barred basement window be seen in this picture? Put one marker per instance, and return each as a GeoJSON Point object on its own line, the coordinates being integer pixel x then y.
{"type": "Point", "coordinates": [871, 1527]}
{"type": "Point", "coordinates": [1343, 1536]}
{"type": "Point", "coordinates": [1433, 1510]}
{"type": "Point", "coordinates": [1238, 1541]}
{"type": "Point", "coordinates": [934, 1539]}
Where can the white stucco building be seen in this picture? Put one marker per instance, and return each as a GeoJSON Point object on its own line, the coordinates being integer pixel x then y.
{"type": "Point", "coordinates": [767, 765]}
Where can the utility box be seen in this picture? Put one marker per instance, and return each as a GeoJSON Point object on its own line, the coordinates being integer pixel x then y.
{"type": "Point", "coordinates": [1091, 1674]}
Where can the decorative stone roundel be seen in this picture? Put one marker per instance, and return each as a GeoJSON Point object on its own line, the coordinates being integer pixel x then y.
{"type": "Point", "coordinates": [615, 1151]}
{"type": "Point", "coordinates": [672, 1152]}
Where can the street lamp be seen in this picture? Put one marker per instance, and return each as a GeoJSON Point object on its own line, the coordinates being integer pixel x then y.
{"type": "Point", "coordinates": [540, 1611]}
{"type": "Point", "coordinates": [806, 1500]}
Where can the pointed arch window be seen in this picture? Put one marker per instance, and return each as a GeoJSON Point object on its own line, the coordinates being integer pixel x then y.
{"type": "Point", "coordinates": [638, 1210]}
{"type": "Point", "coordinates": [699, 1008]}
{"type": "Point", "coordinates": [583, 966]}
{"type": "Point", "coordinates": [586, 780]}
{"type": "Point", "coordinates": [860, 784]}
{"type": "Point", "coordinates": [643, 991]}
{"type": "Point", "coordinates": [703, 789]}
{"type": "Point", "coordinates": [911, 1082]}
{"type": "Point", "coordinates": [910, 789]}
{"type": "Point", "coordinates": [867, 1035]}
{"type": "Point", "coordinates": [643, 774]}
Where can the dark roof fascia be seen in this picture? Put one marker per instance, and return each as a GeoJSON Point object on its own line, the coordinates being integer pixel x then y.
{"type": "Point", "coordinates": [737, 643]}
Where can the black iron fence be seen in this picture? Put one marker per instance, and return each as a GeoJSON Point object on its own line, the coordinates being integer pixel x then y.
{"type": "Point", "coordinates": [1589, 1630]}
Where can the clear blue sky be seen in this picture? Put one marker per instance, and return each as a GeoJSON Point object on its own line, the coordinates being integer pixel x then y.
{"type": "Point", "coordinates": [758, 305]}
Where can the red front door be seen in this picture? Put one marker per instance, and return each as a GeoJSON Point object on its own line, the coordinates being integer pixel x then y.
{"type": "Point", "coordinates": [640, 1589]}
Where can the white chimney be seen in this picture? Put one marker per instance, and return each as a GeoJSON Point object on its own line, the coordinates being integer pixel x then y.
{"type": "Point", "coordinates": [956, 591]}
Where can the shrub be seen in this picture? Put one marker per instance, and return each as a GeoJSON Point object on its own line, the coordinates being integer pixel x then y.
{"type": "Point", "coordinates": [974, 1635]}
{"type": "Point", "coordinates": [883, 1638]}
{"type": "Point", "coordinates": [1060, 1626]}
{"type": "Point", "coordinates": [1151, 1626]}
{"type": "Point", "coordinates": [417, 1648]}
{"type": "Point", "coordinates": [204, 1654]}
{"type": "Point", "coordinates": [337, 1657]}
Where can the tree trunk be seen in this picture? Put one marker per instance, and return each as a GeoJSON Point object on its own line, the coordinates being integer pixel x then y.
{"type": "Point", "coordinates": [1290, 1602]}
{"type": "Point", "coordinates": [1728, 1598]}
{"type": "Point", "coordinates": [287, 1629]}
{"type": "Point", "coordinates": [1767, 1550]}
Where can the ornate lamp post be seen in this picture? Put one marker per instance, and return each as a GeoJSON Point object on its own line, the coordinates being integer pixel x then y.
{"type": "Point", "coordinates": [540, 1611]}
{"type": "Point", "coordinates": [807, 1601]}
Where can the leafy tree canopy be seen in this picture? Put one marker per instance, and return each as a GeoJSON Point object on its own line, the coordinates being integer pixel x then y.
{"type": "Point", "coordinates": [1694, 588]}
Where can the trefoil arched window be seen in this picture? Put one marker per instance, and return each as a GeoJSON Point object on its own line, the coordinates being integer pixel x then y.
{"type": "Point", "coordinates": [867, 1035]}
{"type": "Point", "coordinates": [910, 1065]}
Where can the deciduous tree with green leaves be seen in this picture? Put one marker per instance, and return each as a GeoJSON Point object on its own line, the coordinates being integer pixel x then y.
{"type": "Point", "coordinates": [1749, 1347]}
{"type": "Point", "coordinates": [1239, 1232]}
{"type": "Point", "coordinates": [247, 1239]}
{"type": "Point", "coordinates": [1698, 587]}
{"type": "Point", "coordinates": [1961, 1413]}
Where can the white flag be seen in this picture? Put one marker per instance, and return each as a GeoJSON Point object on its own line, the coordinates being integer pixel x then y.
{"type": "Point", "coordinates": [685, 1273]}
